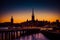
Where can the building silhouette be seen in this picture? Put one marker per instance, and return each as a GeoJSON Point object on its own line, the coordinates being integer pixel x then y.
{"type": "Point", "coordinates": [11, 20]}
{"type": "Point", "coordinates": [31, 22]}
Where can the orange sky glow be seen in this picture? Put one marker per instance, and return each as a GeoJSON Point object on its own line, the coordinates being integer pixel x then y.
{"type": "Point", "coordinates": [21, 16]}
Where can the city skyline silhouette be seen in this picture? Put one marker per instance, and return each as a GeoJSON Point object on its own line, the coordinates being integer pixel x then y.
{"type": "Point", "coordinates": [18, 18]}
{"type": "Point", "coordinates": [32, 22]}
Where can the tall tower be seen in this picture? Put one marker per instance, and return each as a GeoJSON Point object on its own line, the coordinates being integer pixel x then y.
{"type": "Point", "coordinates": [33, 18]}
{"type": "Point", "coordinates": [12, 20]}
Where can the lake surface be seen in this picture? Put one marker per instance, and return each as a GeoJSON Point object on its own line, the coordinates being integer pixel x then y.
{"type": "Point", "coordinates": [38, 36]}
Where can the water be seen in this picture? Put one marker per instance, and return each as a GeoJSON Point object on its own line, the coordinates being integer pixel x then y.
{"type": "Point", "coordinates": [38, 36]}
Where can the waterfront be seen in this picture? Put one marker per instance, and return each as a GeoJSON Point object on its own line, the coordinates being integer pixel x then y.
{"type": "Point", "coordinates": [25, 34]}
{"type": "Point", "coordinates": [37, 36]}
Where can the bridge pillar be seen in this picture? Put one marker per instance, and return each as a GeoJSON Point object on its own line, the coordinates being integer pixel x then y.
{"type": "Point", "coordinates": [19, 33]}
{"type": "Point", "coordinates": [2, 35]}
{"type": "Point", "coordinates": [9, 35]}
{"type": "Point", "coordinates": [16, 34]}
{"type": "Point", "coordinates": [6, 35]}
{"type": "Point", "coordinates": [22, 32]}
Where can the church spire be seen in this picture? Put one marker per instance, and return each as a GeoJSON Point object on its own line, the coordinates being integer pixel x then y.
{"type": "Point", "coordinates": [33, 14]}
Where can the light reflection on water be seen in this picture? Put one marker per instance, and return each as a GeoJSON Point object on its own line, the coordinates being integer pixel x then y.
{"type": "Point", "coordinates": [38, 36]}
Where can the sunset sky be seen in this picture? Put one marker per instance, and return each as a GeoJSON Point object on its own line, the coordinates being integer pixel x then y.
{"type": "Point", "coordinates": [22, 10]}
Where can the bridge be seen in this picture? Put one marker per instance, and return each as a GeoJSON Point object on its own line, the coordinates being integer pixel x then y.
{"type": "Point", "coordinates": [13, 33]}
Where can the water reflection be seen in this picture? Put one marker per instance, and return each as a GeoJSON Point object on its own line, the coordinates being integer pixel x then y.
{"type": "Point", "coordinates": [38, 36]}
